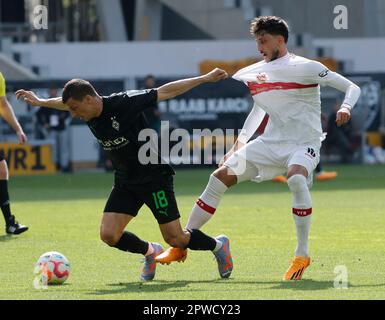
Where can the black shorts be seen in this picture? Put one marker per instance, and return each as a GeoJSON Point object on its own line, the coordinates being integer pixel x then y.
{"type": "Point", "coordinates": [158, 196]}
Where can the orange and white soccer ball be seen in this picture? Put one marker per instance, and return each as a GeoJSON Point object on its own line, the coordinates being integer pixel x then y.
{"type": "Point", "coordinates": [54, 267]}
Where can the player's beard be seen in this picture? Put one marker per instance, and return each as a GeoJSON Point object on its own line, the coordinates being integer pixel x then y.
{"type": "Point", "coordinates": [274, 55]}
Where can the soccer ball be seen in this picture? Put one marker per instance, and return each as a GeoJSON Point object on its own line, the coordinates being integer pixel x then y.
{"type": "Point", "coordinates": [54, 267]}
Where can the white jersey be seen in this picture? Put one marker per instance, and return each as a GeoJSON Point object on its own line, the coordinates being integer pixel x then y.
{"type": "Point", "coordinates": [288, 90]}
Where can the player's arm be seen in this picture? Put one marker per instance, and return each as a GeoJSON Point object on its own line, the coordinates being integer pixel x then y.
{"type": "Point", "coordinates": [32, 99]}
{"type": "Point", "coordinates": [251, 125]}
{"type": "Point", "coordinates": [176, 88]}
{"type": "Point", "coordinates": [352, 93]}
{"type": "Point", "coordinates": [337, 81]}
{"type": "Point", "coordinates": [9, 116]}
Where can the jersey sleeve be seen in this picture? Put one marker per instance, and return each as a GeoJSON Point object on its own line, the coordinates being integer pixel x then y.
{"type": "Point", "coordinates": [139, 100]}
{"type": "Point", "coordinates": [316, 72]}
{"type": "Point", "coordinates": [323, 76]}
{"type": "Point", "coordinates": [319, 73]}
{"type": "Point", "coordinates": [247, 74]}
{"type": "Point", "coordinates": [252, 123]}
{"type": "Point", "coordinates": [2, 85]}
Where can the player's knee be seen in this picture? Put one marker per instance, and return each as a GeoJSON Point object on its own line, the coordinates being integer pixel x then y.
{"type": "Point", "coordinates": [108, 237]}
{"type": "Point", "coordinates": [309, 183]}
{"type": "Point", "coordinates": [297, 183]}
{"type": "Point", "coordinates": [222, 175]}
{"type": "Point", "coordinates": [3, 170]}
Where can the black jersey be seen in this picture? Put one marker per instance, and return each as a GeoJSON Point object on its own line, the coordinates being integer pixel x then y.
{"type": "Point", "coordinates": [117, 129]}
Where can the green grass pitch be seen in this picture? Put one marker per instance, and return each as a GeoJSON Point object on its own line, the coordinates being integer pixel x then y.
{"type": "Point", "coordinates": [64, 212]}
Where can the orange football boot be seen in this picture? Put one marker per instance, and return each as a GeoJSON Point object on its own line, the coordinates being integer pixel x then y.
{"type": "Point", "coordinates": [297, 268]}
{"type": "Point", "coordinates": [281, 179]}
{"type": "Point", "coordinates": [171, 255]}
{"type": "Point", "coordinates": [326, 175]}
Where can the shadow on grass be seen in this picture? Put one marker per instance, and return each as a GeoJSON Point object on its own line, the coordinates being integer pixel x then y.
{"type": "Point", "coordinates": [153, 286]}
{"type": "Point", "coordinates": [161, 285]}
{"type": "Point", "coordinates": [309, 284]}
{"type": "Point", "coordinates": [61, 285]}
{"type": "Point", "coordinates": [305, 284]}
{"type": "Point", "coordinates": [7, 237]}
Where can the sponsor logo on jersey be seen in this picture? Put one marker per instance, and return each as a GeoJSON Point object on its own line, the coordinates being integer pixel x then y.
{"type": "Point", "coordinates": [113, 144]}
{"type": "Point", "coordinates": [261, 77]}
{"type": "Point", "coordinates": [324, 73]}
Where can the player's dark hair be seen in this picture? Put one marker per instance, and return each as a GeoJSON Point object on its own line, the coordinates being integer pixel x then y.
{"type": "Point", "coordinates": [149, 76]}
{"type": "Point", "coordinates": [77, 89]}
{"type": "Point", "coordinates": [270, 24]}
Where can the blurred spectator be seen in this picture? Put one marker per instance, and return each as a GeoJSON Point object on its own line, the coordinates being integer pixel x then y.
{"type": "Point", "coordinates": [54, 125]}
{"type": "Point", "coordinates": [340, 138]}
{"type": "Point", "coordinates": [42, 124]}
{"type": "Point", "coordinates": [320, 174]}
{"type": "Point", "coordinates": [152, 114]}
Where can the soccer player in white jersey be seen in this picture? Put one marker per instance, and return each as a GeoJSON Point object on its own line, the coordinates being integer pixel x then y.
{"type": "Point", "coordinates": [287, 108]}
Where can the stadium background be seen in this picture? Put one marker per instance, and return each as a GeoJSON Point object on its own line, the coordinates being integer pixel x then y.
{"type": "Point", "coordinates": [116, 44]}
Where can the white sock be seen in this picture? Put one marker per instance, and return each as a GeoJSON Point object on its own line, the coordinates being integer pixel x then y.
{"type": "Point", "coordinates": [207, 203]}
{"type": "Point", "coordinates": [218, 245]}
{"type": "Point", "coordinates": [302, 209]}
{"type": "Point", "coordinates": [150, 249]}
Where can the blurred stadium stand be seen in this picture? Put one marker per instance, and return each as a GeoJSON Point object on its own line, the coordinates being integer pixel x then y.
{"type": "Point", "coordinates": [121, 41]}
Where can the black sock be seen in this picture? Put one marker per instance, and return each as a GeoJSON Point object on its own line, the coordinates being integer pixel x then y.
{"type": "Point", "coordinates": [201, 241]}
{"type": "Point", "coordinates": [4, 200]}
{"type": "Point", "coordinates": [130, 242]}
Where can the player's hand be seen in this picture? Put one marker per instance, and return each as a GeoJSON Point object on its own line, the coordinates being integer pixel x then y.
{"type": "Point", "coordinates": [215, 75]}
{"type": "Point", "coordinates": [29, 97]}
{"type": "Point", "coordinates": [21, 136]}
{"type": "Point", "coordinates": [343, 116]}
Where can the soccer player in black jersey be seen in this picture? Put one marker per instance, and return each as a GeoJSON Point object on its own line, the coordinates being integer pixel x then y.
{"type": "Point", "coordinates": [116, 121]}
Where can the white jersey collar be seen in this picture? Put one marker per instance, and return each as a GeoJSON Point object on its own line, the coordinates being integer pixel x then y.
{"type": "Point", "coordinates": [286, 56]}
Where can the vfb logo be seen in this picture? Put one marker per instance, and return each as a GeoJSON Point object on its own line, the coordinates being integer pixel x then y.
{"type": "Point", "coordinates": [40, 17]}
{"type": "Point", "coordinates": [341, 20]}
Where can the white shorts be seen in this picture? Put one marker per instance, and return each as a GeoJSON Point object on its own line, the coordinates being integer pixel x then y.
{"type": "Point", "coordinates": [260, 161]}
